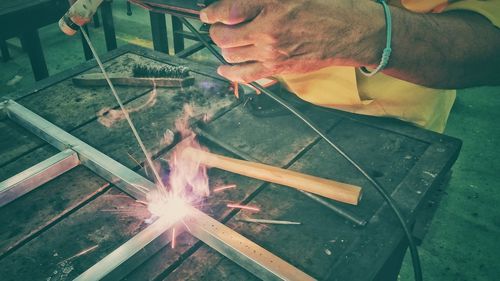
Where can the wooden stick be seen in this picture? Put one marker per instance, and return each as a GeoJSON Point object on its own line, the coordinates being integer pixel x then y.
{"type": "Point", "coordinates": [327, 188]}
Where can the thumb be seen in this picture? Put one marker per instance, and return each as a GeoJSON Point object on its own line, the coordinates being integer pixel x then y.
{"type": "Point", "coordinates": [230, 12]}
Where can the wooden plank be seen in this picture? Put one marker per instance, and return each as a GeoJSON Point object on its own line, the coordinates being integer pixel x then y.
{"type": "Point", "coordinates": [274, 140]}
{"type": "Point", "coordinates": [25, 161]}
{"type": "Point", "coordinates": [69, 106]}
{"type": "Point", "coordinates": [152, 121]}
{"type": "Point", "coordinates": [14, 141]}
{"type": "Point", "coordinates": [66, 106]}
{"type": "Point", "coordinates": [101, 226]}
{"type": "Point", "coordinates": [390, 157]}
{"type": "Point", "coordinates": [45, 205]}
{"type": "Point", "coordinates": [222, 268]}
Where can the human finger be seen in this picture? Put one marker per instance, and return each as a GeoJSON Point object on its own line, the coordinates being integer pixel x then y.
{"type": "Point", "coordinates": [244, 73]}
{"type": "Point", "coordinates": [231, 36]}
{"type": "Point", "coordinates": [230, 12]}
{"type": "Point", "coordinates": [248, 53]}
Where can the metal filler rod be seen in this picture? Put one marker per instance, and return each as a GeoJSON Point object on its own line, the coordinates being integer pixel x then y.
{"type": "Point", "coordinates": [125, 113]}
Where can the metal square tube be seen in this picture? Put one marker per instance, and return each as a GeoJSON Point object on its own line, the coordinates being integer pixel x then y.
{"type": "Point", "coordinates": [37, 175]}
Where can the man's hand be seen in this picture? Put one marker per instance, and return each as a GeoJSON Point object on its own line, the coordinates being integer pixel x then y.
{"type": "Point", "coordinates": [267, 37]}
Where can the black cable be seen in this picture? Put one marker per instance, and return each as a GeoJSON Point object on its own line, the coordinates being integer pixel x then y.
{"type": "Point", "coordinates": [411, 243]}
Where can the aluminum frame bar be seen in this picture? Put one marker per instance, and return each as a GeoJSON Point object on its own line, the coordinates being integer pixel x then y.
{"type": "Point", "coordinates": [37, 175]}
{"type": "Point", "coordinates": [223, 239]}
{"type": "Point", "coordinates": [241, 250]}
{"type": "Point", "coordinates": [117, 264]}
{"type": "Point", "coordinates": [95, 160]}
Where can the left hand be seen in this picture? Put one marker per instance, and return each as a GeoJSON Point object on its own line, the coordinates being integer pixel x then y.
{"type": "Point", "coordinates": [268, 37]}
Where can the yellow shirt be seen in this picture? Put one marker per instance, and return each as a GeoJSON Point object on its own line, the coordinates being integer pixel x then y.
{"type": "Point", "coordinates": [381, 95]}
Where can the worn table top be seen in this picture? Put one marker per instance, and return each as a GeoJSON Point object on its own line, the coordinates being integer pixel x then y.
{"type": "Point", "coordinates": [43, 234]}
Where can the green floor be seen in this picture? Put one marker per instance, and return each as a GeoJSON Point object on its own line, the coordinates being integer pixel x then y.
{"type": "Point", "coordinates": [463, 240]}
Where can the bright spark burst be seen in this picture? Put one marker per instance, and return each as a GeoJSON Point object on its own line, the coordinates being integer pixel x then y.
{"type": "Point", "coordinates": [167, 204]}
{"type": "Point", "coordinates": [186, 183]}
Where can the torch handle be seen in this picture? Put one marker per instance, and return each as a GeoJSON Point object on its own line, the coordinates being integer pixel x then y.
{"type": "Point", "coordinates": [80, 13]}
{"type": "Point", "coordinates": [342, 192]}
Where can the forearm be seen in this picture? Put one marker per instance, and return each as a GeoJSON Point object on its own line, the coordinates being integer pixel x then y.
{"type": "Point", "coordinates": [269, 37]}
{"type": "Point", "coordinates": [450, 50]}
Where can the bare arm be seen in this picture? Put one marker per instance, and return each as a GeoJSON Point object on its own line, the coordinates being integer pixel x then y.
{"type": "Point", "coordinates": [450, 50]}
{"type": "Point", "coordinates": [269, 37]}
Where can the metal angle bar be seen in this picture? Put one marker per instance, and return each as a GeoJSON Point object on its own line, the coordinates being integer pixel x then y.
{"type": "Point", "coordinates": [35, 176]}
{"type": "Point", "coordinates": [226, 241]}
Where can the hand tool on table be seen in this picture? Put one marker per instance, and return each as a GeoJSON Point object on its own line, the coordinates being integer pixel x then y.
{"type": "Point", "coordinates": [342, 192]}
{"type": "Point", "coordinates": [201, 132]}
{"type": "Point", "coordinates": [165, 76]}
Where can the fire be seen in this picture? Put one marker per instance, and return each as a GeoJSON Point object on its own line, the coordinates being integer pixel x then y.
{"type": "Point", "coordinates": [186, 182]}
{"type": "Point", "coordinates": [161, 204]}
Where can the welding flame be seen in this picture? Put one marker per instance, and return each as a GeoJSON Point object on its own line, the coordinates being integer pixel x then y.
{"type": "Point", "coordinates": [187, 182]}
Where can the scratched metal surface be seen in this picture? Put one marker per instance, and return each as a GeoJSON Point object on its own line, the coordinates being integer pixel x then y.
{"type": "Point", "coordinates": [44, 231]}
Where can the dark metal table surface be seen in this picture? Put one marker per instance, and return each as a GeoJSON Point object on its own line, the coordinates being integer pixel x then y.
{"type": "Point", "coordinates": [43, 234]}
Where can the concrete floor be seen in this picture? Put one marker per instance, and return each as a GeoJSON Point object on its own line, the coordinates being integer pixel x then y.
{"type": "Point", "coordinates": [463, 240]}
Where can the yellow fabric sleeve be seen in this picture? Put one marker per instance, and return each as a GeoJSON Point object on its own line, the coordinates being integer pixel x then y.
{"type": "Point", "coordinates": [344, 88]}
{"type": "Point", "coordinates": [488, 8]}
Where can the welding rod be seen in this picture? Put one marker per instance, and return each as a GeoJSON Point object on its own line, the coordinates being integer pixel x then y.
{"type": "Point", "coordinates": [268, 221]}
{"type": "Point", "coordinates": [327, 188]}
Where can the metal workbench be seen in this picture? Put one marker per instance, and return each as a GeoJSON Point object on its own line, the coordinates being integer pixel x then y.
{"type": "Point", "coordinates": [43, 233]}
